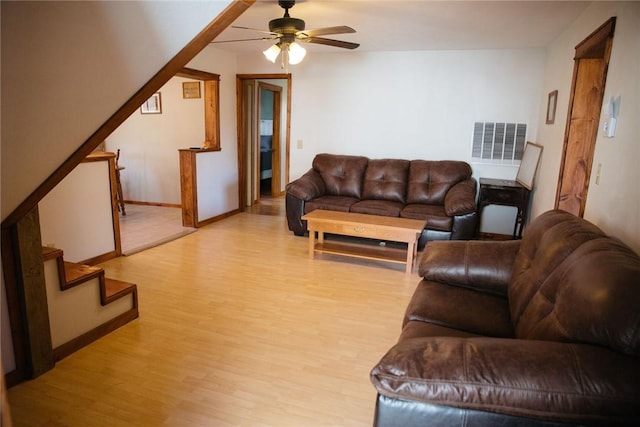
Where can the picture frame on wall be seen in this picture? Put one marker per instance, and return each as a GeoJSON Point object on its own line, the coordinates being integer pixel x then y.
{"type": "Point", "coordinates": [551, 107]}
{"type": "Point", "coordinates": [529, 165]}
{"type": "Point", "coordinates": [152, 105]}
{"type": "Point", "coordinates": [191, 90]}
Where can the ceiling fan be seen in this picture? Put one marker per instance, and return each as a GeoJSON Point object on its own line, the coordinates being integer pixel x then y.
{"type": "Point", "coordinates": [288, 31]}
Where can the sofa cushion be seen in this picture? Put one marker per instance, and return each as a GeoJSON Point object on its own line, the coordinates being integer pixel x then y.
{"type": "Point", "coordinates": [342, 175]}
{"type": "Point", "coordinates": [429, 181]}
{"type": "Point", "coordinates": [386, 179]}
{"type": "Point", "coordinates": [435, 216]}
{"type": "Point", "coordinates": [558, 382]}
{"type": "Point", "coordinates": [460, 308]}
{"type": "Point", "coordinates": [377, 207]}
{"type": "Point", "coordinates": [573, 283]}
{"type": "Point", "coordinates": [330, 203]}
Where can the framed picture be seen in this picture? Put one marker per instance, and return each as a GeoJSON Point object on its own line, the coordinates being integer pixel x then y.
{"type": "Point", "coordinates": [529, 165]}
{"type": "Point", "coordinates": [152, 105]}
{"type": "Point", "coordinates": [191, 90]}
{"type": "Point", "coordinates": [551, 107]}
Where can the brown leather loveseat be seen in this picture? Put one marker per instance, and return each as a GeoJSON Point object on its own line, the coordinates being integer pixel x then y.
{"type": "Point", "coordinates": [442, 192]}
{"type": "Point", "coordinates": [542, 331]}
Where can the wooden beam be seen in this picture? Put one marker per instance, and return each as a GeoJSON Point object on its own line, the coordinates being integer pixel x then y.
{"type": "Point", "coordinates": [32, 295]}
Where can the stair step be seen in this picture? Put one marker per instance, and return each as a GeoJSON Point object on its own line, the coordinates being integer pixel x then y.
{"type": "Point", "coordinates": [114, 289]}
{"type": "Point", "coordinates": [77, 274]}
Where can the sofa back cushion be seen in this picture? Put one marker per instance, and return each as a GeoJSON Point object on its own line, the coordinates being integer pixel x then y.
{"type": "Point", "coordinates": [572, 283]}
{"type": "Point", "coordinates": [342, 175]}
{"type": "Point", "coordinates": [429, 181]}
{"type": "Point", "coordinates": [386, 179]}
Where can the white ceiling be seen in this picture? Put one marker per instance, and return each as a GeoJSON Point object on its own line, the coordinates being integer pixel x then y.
{"type": "Point", "coordinates": [415, 25]}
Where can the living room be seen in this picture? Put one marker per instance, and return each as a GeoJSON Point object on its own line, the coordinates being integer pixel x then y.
{"type": "Point", "coordinates": [337, 102]}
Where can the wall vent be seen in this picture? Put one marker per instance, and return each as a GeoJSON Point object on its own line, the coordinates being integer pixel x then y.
{"type": "Point", "coordinates": [498, 141]}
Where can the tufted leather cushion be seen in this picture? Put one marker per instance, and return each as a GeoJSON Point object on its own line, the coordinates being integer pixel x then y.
{"type": "Point", "coordinates": [342, 175]}
{"type": "Point", "coordinates": [572, 283]}
{"type": "Point", "coordinates": [386, 179]}
{"type": "Point", "coordinates": [429, 181]}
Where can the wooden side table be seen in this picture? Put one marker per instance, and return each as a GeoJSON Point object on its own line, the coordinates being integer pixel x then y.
{"type": "Point", "coordinates": [506, 193]}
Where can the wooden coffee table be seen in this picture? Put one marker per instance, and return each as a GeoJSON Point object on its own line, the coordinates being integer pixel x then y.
{"type": "Point", "coordinates": [366, 226]}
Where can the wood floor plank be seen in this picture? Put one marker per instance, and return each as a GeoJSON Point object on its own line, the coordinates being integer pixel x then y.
{"type": "Point", "coordinates": [237, 327]}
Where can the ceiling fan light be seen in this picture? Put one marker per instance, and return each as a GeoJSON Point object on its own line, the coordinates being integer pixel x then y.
{"type": "Point", "coordinates": [272, 53]}
{"type": "Point", "coordinates": [296, 53]}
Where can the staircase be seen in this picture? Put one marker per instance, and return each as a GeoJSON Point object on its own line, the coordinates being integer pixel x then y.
{"type": "Point", "coordinates": [83, 304]}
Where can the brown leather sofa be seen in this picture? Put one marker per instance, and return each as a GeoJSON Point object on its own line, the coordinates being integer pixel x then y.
{"type": "Point", "coordinates": [442, 192]}
{"type": "Point", "coordinates": [541, 331]}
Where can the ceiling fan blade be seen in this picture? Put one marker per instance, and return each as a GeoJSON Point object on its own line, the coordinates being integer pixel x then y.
{"type": "Point", "coordinates": [343, 29]}
{"type": "Point", "coordinates": [330, 42]}
{"type": "Point", "coordinates": [253, 29]}
{"type": "Point", "coordinates": [244, 40]}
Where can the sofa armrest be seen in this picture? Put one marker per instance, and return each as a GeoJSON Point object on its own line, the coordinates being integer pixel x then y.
{"type": "Point", "coordinates": [546, 380]}
{"type": "Point", "coordinates": [461, 198]}
{"type": "Point", "coordinates": [481, 265]}
{"type": "Point", "coordinates": [307, 187]}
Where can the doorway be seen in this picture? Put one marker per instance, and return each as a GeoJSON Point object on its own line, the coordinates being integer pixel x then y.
{"type": "Point", "coordinates": [587, 91]}
{"type": "Point", "coordinates": [269, 164]}
{"type": "Point", "coordinates": [263, 136]}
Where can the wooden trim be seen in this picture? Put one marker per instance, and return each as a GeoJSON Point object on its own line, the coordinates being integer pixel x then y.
{"type": "Point", "coordinates": [599, 42]}
{"type": "Point", "coordinates": [218, 218]}
{"type": "Point", "coordinates": [190, 73]}
{"type": "Point", "coordinates": [595, 45]}
{"type": "Point", "coordinates": [188, 189]}
{"type": "Point", "coordinates": [18, 332]}
{"type": "Point", "coordinates": [242, 167]}
{"type": "Point", "coordinates": [175, 65]}
{"type": "Point", "coordinates": [98, 157]}
{"type": "Point", "coordinates": [212, 114]}
{"type": "Point", "coordinates": [32, 295]}
{"type": "Point", "coordinates": [166, 205]}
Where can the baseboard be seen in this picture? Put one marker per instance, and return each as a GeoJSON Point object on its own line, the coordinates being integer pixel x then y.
{"type": "Point", "coordinates": [218, 218]}
{"type": "Point", "coordinates": [165, 205]}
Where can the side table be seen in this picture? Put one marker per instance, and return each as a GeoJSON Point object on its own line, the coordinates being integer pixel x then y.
{"type": "Point", "coordinates": [506, 193]}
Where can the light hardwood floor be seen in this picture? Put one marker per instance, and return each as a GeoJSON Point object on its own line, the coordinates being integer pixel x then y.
{"type": "Point", "coordinates": [145, 226]}
{"type": "Point", "coordinates": [237, 327]}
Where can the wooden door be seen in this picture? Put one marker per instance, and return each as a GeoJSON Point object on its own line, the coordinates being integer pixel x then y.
{"type": "Point", "coordinates": [589, 77]}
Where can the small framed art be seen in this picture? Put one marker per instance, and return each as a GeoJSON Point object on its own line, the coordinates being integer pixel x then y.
{"type": "Point", "coordinates": [551, 107]}
{"type": "Point", "coordinates": [191, 90]}
{"type": "Point", "coordinates": [152, 105]}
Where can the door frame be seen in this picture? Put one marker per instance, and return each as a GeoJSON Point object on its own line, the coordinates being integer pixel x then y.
{"type": "Point", "coordinates": [585, 99]}
{"type": "Point", "coordinates": [244, 163]}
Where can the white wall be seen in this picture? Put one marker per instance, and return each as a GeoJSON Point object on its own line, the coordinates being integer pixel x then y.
{"type": "Point", "coordinates": [68, 66]}
{"type": "Point", "coordinates": [409, 105]}
{"type": "Point", "coordinates": [614, 203]}
{"type": "Point", "coordinates": [77, 215]}
{"type": "Point", "coordinates": [149, 145]}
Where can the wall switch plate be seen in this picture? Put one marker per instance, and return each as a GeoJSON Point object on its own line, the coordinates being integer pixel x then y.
{"type": "Point", "coordinates": [299, 144]}
{"type": "Point", "coordinates": [609, 127]}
